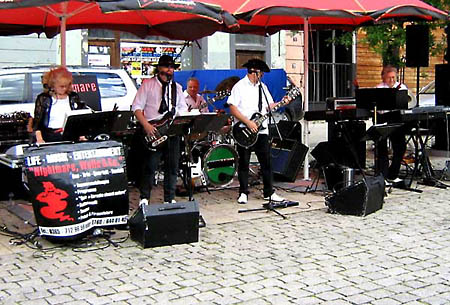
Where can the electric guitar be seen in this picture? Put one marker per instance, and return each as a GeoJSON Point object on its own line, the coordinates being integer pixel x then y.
{"type": "Point", "coordinates": [219, 96]}
{"type": "Point", "coordinates": [244, 136]}
{"type": "Point", "coordinates": [161, 133]}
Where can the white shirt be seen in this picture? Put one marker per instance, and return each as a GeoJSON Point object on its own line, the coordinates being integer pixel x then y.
{"type": "Point", "coordinates": [245, 96]}
{"type": "Point", "coordinates": [148, 99]}
{"type": "Point", "coordinates": [60, 107]}
{"type": "Point", "coordinates": [199, 103]}
{"type": "Point", "coordinates": [384, 85]}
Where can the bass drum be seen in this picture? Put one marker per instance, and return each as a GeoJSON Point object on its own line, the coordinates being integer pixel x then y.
{"type": "Point", "coordinates": [219, 162]}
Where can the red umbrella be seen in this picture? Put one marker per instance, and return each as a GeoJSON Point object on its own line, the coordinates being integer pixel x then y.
{"type": "Point", "coordinates": [192, 19]}
{"type": "Point", "coordinates": [270, 16]}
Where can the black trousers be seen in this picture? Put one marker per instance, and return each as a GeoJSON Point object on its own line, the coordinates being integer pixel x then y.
{"type": "Point", "coordinates": [398, 141]}
{"type": "Point", "coordinates": [170, 152]}
{"type": "Point", "coordinates": [262, 151]}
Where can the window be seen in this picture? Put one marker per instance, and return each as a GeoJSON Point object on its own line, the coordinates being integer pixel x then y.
{"type": "Point", "coordinates": [12, 88]}
{"type": "Point", "coordinates": [36, 84]}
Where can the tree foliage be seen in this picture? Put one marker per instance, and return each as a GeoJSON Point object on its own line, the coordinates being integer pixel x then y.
{"type": "Point", "coordinates": [387, 39]}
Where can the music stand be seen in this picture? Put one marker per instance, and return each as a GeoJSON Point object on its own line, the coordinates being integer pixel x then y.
{"type": "Point", "coordinates": [91, 125]}
{"type": "Point", "coordinates": [381, 98]}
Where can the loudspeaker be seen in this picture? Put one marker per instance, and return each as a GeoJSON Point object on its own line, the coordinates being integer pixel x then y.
{"type": "Point", "coordinates": [12, 186]}
{"type": "Point", "coordinates": [345, 143]}
{"type": "Point", "coordinates": [442, 84]}
{"type": "Point", "coordinates": [287, 158]}
{"type": "Point", "coordinates": [442, 95]}
{"type": "Point", "coordinates": [155, 225]}
{"type": "Point", "coordinates": [360, 199]}
{"type": "Point", "coordinates": [417, 45]}
{"type": "Point", "coordinates": [288, 130]}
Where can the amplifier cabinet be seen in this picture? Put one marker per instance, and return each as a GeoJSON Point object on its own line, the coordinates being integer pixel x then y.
{"type": "Point", "coordinates": [155, 225]}
{"type": "Point", "coordinates": [287, 158]}
{"type": "Point", "coordinates": [360, 199]}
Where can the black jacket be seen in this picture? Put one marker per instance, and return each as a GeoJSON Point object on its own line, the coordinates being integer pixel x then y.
{"type": "Point", "coordinates": [43, 107]}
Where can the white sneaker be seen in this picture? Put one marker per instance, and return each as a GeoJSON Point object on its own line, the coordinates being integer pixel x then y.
{"type": "Point", "coordinates": [243, 198]}
{"type": "Point", "coordinates": [172, 201]}
{"type": "Point", "coordinates": [275, 198]}
{"type": "Point", "coordinates": [395, 181]}
{"type": "Point", "coordinates": [143, 201]}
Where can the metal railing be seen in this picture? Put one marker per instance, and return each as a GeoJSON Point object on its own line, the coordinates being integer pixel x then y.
{"type": "Point", "coordinates": [330, 80]}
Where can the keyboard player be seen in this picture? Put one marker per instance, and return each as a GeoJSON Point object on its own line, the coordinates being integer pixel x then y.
{"type": "Point", "coordinates": [397, 138]}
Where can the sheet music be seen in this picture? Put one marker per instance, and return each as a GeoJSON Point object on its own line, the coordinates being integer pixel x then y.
{"type": "Point", "coordinates": [76, 112]}
{"type": "Point", "coordinates": [193, 112]}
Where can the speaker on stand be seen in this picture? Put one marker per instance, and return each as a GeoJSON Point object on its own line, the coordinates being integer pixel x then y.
{"type": "Point", "coordinates": [417, 50]}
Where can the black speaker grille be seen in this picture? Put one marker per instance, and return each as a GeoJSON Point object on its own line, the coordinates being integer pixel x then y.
{"type": "Point", "coordinates": [360, 199]}
{"type": "Point", "coordinates": [287, 158]}
{"type": "Point", "coordinates": [417, 45]}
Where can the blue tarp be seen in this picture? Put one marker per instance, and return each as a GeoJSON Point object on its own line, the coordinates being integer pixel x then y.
{"type": "Point", "coordinates": [209, 79]}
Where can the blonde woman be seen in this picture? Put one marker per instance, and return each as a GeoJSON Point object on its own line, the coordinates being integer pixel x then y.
{"type": "Point", "coordinates": [53, 103]}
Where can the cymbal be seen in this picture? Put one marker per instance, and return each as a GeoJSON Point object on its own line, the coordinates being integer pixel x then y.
{"type": "Point", "coordinates": [207, 92]}
{"type": "Point", "coordinates": [227, 83]}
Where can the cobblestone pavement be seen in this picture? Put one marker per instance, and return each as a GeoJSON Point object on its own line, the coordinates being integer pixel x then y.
{"type": "Point", "coordinates": [398, 255]}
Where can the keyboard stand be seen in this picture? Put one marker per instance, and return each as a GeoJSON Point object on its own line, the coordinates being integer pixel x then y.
{"type": "Point", "coordinates": [422, 161]}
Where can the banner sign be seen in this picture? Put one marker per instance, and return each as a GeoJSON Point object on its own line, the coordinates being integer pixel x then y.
{"type": "Point", "coordinates": [77, 187]}
{"type": "Point", "coordinates": [87, 88]}
{"type": "Point", "coordinates": [139, 59]}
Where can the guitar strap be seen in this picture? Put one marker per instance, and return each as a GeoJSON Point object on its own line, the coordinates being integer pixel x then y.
{"type": "Point", "coordinates": [260, 98]}
{"type": "Point", "coordinates": [174, 95]}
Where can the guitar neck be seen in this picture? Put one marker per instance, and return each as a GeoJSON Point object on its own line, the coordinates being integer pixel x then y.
{"type": "Point", "coordinates": [262, 118]}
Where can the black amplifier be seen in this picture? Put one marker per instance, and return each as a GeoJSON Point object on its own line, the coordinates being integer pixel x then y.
{"type": "Point", "coordinates": [155, 225]}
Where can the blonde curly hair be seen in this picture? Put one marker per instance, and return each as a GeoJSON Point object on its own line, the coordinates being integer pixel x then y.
{"type": "Point", "coordinates": [57, 74]}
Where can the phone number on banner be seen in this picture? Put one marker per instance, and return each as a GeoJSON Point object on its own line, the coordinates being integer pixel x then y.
{"type": "Point", "coordinates": [83, 226]}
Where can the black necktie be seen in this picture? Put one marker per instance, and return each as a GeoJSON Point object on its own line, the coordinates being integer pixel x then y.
{"type": "Point", "coordinates": [260, 98]}
{"type": "Point", "coordinates": [163, 107]}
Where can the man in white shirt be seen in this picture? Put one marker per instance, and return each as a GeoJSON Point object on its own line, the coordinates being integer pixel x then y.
{"type": "Point", "coordinates": [193, 99]}
{"type": "Point", "coordinates": [250, 95]}
{"type": "Point", "coordinates": [397, 138]}
{"type": "Point", "coordinates": [157, 97]}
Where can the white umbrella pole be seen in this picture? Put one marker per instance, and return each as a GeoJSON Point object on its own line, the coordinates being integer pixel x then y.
{"type": "Point", "coordinates": [63, 33]}
{"type": "Point", "coordinates": [305, 95]}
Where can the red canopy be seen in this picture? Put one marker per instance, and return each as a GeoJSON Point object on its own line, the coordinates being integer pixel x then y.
{"type": "Point", "coordinates": [270, 16]}
{"type": "Point", "coordinates": [188, 20]}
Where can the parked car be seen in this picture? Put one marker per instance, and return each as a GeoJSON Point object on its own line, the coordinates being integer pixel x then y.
{"type": "Point", "coordinates": [426, 95]}
{"type": "Point", "coordinates": [20, 86]}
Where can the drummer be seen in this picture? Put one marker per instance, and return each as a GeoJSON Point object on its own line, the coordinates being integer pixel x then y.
{"type": "Point", "coordinates": [193, 99]}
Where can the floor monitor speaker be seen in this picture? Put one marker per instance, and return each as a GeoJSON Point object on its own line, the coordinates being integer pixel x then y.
{"type": "Point", "coordinates": [361, 198]}
{"type": "Point", "coordinates": [287, 158]}
{"type": "Point", "coordinates": [154, 225]}
{"type": "Point", "coordinates": [417, 45]}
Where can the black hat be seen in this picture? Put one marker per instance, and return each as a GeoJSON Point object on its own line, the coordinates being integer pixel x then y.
{"type": "Point", "coordinates": [166, 61]}
{"type": "Point", "coordinates": [257, 64]}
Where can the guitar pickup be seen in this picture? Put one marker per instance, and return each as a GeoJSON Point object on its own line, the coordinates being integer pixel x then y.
{"type": "Point", "coordinates": [159, 141]}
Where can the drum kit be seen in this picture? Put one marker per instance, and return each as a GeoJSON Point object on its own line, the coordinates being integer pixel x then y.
{"type": "Point", "coordinates": [214, 157]}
